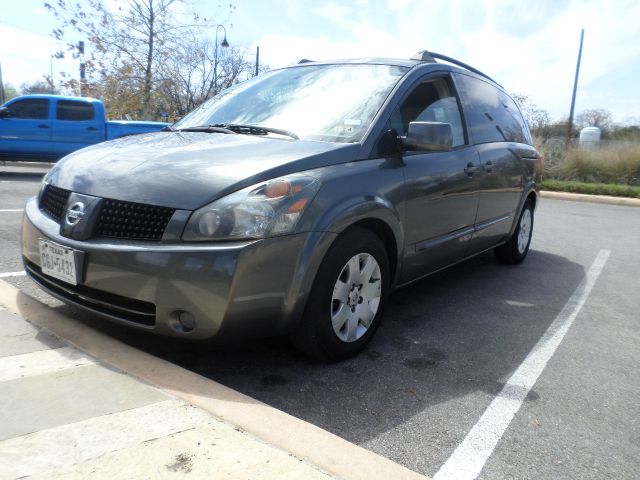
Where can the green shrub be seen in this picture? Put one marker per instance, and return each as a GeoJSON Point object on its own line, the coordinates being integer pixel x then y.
{"type": "Point", "coordinates": [591, 188]}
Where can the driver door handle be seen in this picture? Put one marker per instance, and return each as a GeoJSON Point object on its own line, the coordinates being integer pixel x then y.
{"type": "Point", "coordinates": [471, 169]}
{"type": "Point", "coordinates": [488, 167]}
{"type": "Point", "coordinates": [43, 125]}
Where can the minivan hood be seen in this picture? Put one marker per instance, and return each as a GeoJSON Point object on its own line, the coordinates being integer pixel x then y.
{"type": "Point", "coordinates": [186, 170]}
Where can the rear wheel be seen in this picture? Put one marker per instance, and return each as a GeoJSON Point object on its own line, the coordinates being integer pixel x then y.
{"type": "Point", "coordinates": [517, 247]}
{"type": "Point", "coordinates": [347, 298]}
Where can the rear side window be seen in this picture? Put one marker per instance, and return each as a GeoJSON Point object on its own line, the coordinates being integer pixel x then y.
{"type": "Point", "coordinates": [30, 108]}
{"type": "Point", "coordinates": [492, 114]}
{"type": "Point", "coordinates": [72, 110]}
{"type": "Point", "coordinates": [518, 118]}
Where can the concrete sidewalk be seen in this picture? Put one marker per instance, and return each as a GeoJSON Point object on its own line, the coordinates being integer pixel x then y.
{"type": "Point", "coordinates": [76, 403]}
{"type": "Point", "coordinates": [64, 415]}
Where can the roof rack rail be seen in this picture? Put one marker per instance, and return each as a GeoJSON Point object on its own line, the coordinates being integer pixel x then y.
{"type": "Point", "coordinates": [430, 57]}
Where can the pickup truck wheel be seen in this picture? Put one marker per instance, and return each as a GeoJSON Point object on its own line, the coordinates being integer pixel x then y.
{"type": "Point", "coordinates": [517, 247]}
{"type": "Point", "coordinates": [347, 298]}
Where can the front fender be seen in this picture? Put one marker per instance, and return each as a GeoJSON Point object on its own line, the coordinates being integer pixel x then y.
{"type": "Point", "coordinates": [366, 192]}
{"type": "Point", "coordinates": [356, 210]}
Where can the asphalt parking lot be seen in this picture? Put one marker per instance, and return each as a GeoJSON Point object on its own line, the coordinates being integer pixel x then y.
{"type": "Point", "coordinates": [449, 348]}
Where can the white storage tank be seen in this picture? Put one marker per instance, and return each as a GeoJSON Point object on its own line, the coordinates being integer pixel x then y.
{"type": "Point", "coordinates": [589, 137]}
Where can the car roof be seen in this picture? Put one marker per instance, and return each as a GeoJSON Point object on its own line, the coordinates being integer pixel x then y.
{"type": "Point", "coordinates": [422, 58]}
{"type": "Point", "coordinates": [396, 62]}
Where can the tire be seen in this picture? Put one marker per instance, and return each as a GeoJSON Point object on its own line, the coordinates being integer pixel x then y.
{"type": "Point", "coordinates": [347, 298]}
{"type": "Point", "coordinates": [517, 247]}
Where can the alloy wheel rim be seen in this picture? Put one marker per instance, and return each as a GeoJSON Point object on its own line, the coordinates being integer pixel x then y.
{"type": "Point", "coordinates": [525, 231]}
{"type": "Point", "coordinates": [356, 297]}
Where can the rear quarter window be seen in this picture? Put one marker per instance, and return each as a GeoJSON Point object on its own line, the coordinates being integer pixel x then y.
{"type": "Point", "coordinates": [492, 115]}
{"type": "Point", "coordinates": [76, 111]}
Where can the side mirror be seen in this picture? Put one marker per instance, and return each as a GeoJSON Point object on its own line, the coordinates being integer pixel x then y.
{"type": "Point", "coordinates": [4, 112]}
{"type": "Point", "coordinates": [430, 136]}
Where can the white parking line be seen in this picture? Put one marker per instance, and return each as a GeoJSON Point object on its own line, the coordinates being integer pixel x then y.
{"type": "Point", "coordinates": [21, 273]}
{"type": "Point", "coordinates": [7, 210]}
{"type": "Point", "coordinates": [468, 460]}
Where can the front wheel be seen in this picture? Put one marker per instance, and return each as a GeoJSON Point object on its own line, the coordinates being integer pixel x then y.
{"type": "Point", "coordinates": [347, 298]}
{"type": "Point", "coordinates": [517, 247]}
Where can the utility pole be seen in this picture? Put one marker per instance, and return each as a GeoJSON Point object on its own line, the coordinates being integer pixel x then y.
{"type": "Point", "coordinates": [575, 88]}
{"type": "Point", "coordinates": [257, 60]}
{"type": "Point", "coordinates": [83, 74]}
{"type": "Point", "coordinates": [1, 87]}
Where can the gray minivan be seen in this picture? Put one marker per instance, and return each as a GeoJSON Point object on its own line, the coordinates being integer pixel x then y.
{"type": "Point", "coordinates": [292, 203]}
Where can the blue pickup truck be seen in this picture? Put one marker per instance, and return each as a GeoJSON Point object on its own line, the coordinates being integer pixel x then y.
{"type": "Point", "coordinates": [48, 127]}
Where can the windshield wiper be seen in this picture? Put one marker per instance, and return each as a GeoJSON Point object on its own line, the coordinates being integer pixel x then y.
{"type": "Point", "coordinates": [255, 130]}
{"type": "Point", "coordinates": [206, 129]}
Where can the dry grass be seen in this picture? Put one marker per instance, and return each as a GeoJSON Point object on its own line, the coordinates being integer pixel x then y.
{"type": "Point", "coordinates": [617, 165]}
{"type": "Point", "coordinates": [612, 164]}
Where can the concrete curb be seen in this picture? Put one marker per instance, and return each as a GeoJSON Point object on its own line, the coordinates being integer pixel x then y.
{"type": "Point", "coordinates": [581, 197]}
{"type": "Point", "coordinates": [312, 444]}
{"type": "Point", "coordinates": [20, 163]}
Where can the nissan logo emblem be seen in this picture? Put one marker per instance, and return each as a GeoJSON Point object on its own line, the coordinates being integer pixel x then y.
{"type": "Point", "coordinates": [75, 214]}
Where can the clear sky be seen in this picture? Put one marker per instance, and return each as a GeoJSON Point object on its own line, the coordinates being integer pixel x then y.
{"type": "Point", "coordinates": [529, 47]}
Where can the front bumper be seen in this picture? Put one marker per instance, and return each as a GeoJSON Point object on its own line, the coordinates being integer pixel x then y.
{"type": "Point", "coordinates": [248, 288]}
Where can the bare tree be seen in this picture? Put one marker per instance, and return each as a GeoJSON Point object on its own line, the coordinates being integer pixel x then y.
{"type": "Point", "coordinates": [38, 86]}
{"type": "Point", "coordinates": [597, 117]}
{"type": "Point", "coordinates": [148, 57]}
{"type": "Point", "coordinates": [538, 119]}
{"type": "Point", "coordinates": [235, 66]}
{"type": "Point", "coordinates": [134, 39]}
{"type": "Point", "coordinates": [190, 78]}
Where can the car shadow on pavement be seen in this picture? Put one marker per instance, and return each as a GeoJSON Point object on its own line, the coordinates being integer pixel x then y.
{"type": "Point", "coordinates": [459, 332]}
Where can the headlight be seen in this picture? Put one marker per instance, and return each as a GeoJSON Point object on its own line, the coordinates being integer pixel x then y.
{"type": "Point", "coordinates": [262, 210]}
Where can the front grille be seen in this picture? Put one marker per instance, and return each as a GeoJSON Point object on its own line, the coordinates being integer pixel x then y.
{"type": "Point", "coordinates": [117, 219]}
{"type": "Point", "coordinates": [53, 201]}
{"type": "Point", "coordinates": [130, 220]}
{"type": "Point", "coordinates": [109, 304]}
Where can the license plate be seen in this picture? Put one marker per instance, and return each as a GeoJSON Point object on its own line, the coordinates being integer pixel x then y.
{"type": "Point", "coordinates": [58, 261]}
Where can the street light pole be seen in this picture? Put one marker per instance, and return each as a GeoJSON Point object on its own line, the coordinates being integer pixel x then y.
{"type": "Point", "coordinates": [223, 44]}
{"type": "Point", "coordinates": [575, 88]}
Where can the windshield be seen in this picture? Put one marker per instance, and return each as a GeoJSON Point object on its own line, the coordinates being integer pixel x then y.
{"type": "Point", "coordinates": [333, 103]}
